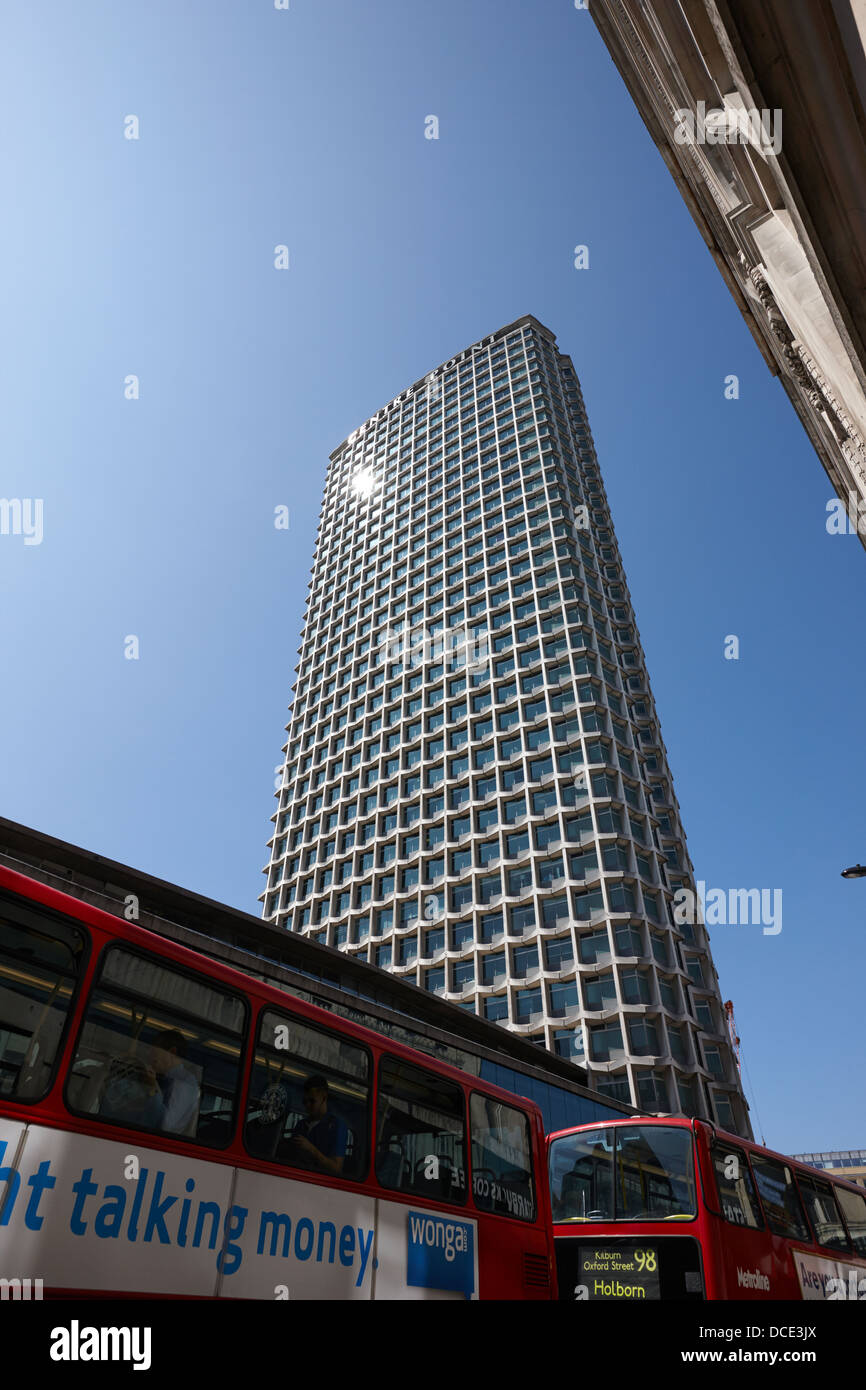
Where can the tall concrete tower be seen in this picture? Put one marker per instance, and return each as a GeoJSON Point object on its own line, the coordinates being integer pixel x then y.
{"type": "Point", "coordinates": [475, 792]}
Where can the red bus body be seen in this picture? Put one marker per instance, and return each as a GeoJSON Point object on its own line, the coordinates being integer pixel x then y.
{"type": "Point", "coordinates": [712, 1254]}
{"type": "Point", "coordinates": [514, 1254]}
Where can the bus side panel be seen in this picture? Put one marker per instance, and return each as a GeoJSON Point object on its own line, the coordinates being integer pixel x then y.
{"type": "Point", "coordinates": [750, 1266]}
{"type": "Point", "coordinates": [298, 1240]}
{"type": "Point", "coordinates": [740, 1262]}
{"type": "Point", "coordinates": [516, 1261]}
{"type": "Point", "coordinates": [728, 1249]}
{"type": "Point", "coordinates": [85, 1213]}
{"type": "Point", "coordinates": [828, 1276]}
{"type": "Point", "coordinates": [12, 1135]}
{"type": "Point", "coordinates": [92, 1214]}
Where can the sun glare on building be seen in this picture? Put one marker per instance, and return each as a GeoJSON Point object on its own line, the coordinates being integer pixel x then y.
{"type": "Point", "coordinates": [364, 482]}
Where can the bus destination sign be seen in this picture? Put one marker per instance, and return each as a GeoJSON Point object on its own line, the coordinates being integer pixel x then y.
{"type": "Point", "coordinates": [627, 1270]}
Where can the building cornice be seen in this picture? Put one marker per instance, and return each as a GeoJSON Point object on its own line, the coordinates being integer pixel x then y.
{"type": "Point", "coordinates": [785, 225]}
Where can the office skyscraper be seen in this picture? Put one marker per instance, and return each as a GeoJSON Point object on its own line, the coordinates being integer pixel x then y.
{"type": "Point", "coordinates": [475, 792]}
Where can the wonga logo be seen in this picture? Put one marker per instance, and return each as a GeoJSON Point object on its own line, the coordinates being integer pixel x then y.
{"type": "Point", "coordinates": [441, 1253]}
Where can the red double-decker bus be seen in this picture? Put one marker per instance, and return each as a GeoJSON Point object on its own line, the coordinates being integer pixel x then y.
{"type": "Point", "coordinates": [172, 1127]}
{"type": "Point", "coordinates": [676, 1209]}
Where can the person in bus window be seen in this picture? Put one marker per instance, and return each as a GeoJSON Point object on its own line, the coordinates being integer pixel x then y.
{"type": "Point", "coordinates": [319, 1140]}
{"type": "Point", "coordinates": [129, 1095]}
{"type": "Point", "coordinates": [159, 1094]}
{"type": "Point", "coordinates": [175, 1093]}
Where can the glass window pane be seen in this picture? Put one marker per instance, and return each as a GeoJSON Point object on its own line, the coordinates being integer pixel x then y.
{"type": "Point", "coordinates": [502, 1178]}
{"type": "Point", "coordinates": [854, 1210]}
{"type": "Point", "coordinates": [40, 961]}
{"type": "Point", "coordinates": [160, 1050]}
{"type": "Point", "coordinates": [823, 1213]}
{"type": "Point", "coordinates": [736, 1189]}
{"type": "Point", "coordinates": [420, 1133]}
{"type": "Point", "coordinates": [308, 1101]}
{"type": "Point", "coordinates": [581, 1176]}
{"type": "Point", "coordinates": [779, 1197]}
{"type": "Point", "coordinates": [654, 1173]}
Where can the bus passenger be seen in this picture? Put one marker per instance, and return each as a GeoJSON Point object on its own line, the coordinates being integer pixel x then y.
{"type": "Point", "coordinates": [163, 1095]}
{"type": "Point", "coordinates": [320, 1140]}
{"type": "Point", "coordinates": [176, 1091]}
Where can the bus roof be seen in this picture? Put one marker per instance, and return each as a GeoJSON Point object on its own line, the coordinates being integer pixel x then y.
{"type": "Point", "coordinates": [687, 1122]}
{"type": "Point", "coordinates": [85, 913]}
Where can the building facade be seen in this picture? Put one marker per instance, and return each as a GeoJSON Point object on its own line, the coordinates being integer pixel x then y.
{"type": "Point", "coordinates": [844, 1163]}
{"type": "Point", "coordinates": [758, 108]}
{"type": "Point", "coordinates": [475, 793]}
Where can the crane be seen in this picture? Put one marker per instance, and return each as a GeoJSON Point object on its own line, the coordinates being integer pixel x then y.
{"type": "Point", "coordinates": [732, 1030]}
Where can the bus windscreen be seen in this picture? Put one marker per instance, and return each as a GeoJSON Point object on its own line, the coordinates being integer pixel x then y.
{"type": "Point", "coordinates": [634, 1173]}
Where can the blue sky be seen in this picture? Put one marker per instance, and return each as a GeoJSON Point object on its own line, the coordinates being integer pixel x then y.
{"type": "Point", "coordinates": [155, 257]}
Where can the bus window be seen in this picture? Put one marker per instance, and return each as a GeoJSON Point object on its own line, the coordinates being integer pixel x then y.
{"type": "Point", "coordinates": [159, 1049]}
{"type": "Point", "coordinates": [420, 1133]}
{"type": "Point", "coordinates": [581, 1176]}
{"type": "Point", "coordinates": [654, 1174]}
{"type": "Point", "coordinates": [823, 1212]}
{"type": "Point", "coordinates": [309, 1097]}
{"type": "Point", "coordinates": [781, 1204]}
{"type": "Point", "coordinates": [737, 1197]}
{"type": "Point", "coordinates": [854, 1210]}
{"type": "Point", "coordinates": [40, 961]}
{"type": "Point", "coordinates": [501, 1159]}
